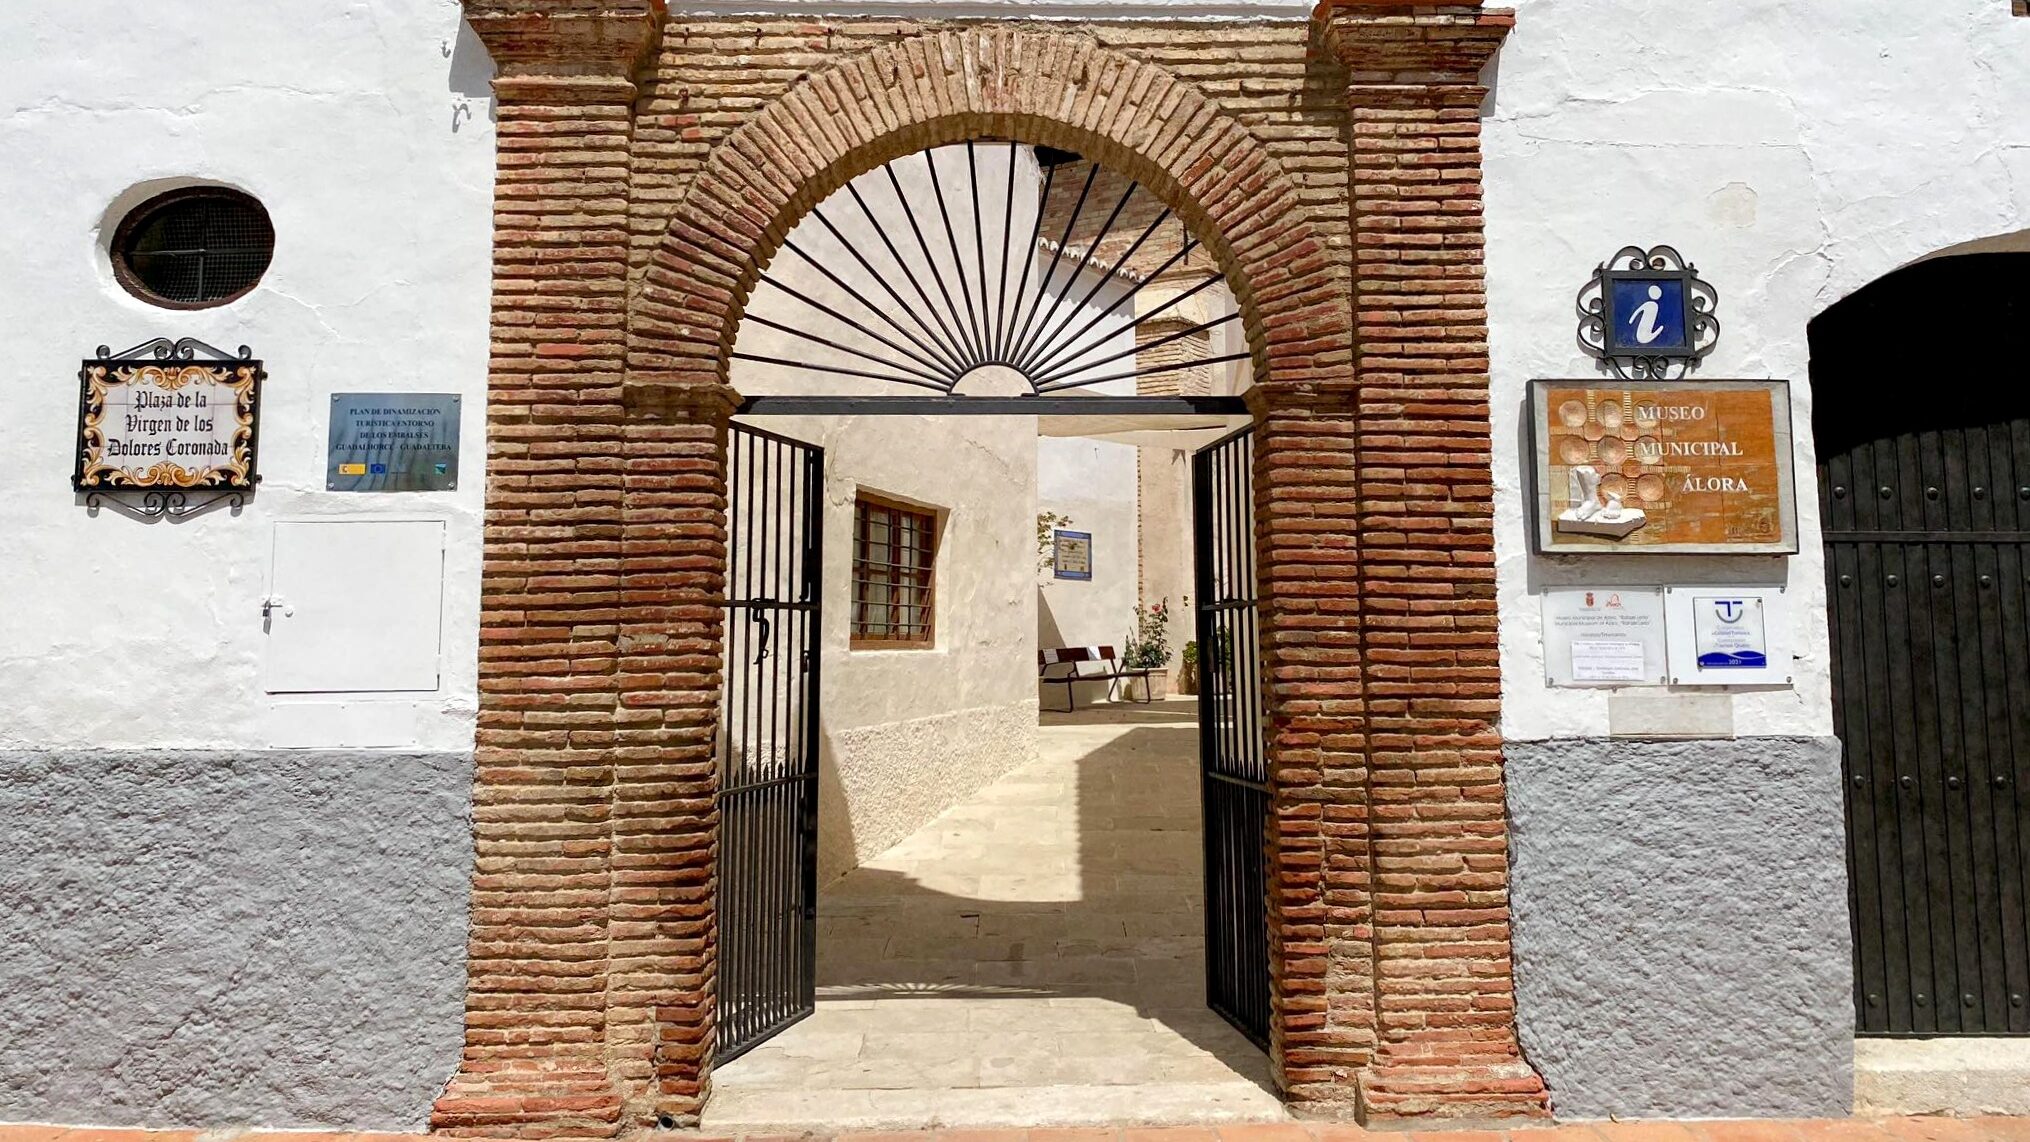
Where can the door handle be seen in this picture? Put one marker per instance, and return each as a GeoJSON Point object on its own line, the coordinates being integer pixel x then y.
{"type": "Point", "coordinates": [762, 618]}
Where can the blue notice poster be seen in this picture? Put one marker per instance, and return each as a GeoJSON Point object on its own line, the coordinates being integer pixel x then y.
{"type": "Point", "coordinates": [1073, 555]}
{"type": "Point", "coordinates": [1729, 633]}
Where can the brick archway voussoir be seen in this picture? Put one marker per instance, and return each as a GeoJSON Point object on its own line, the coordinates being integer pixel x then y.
{"type": "Point", "coordinates": [1057, 88]}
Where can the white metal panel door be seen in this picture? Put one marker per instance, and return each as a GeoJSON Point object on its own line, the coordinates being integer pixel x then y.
{"type": "Point", "coordinates": [354, 605]}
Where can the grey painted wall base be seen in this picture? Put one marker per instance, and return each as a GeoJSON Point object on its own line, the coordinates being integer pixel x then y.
{"type": "Point", "coordinates": [1680, 926]}
{"type": "Point", "coordinates": [218, 939]}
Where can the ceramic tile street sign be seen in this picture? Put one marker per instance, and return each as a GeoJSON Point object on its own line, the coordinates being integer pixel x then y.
{"type": "Point", "coordinates": [164, 417]}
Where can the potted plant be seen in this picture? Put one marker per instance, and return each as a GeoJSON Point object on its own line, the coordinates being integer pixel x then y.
{"type": "Point", "coordinates": [1187, 669]}
{"type": "Point", "coordinates": [1148, 649]}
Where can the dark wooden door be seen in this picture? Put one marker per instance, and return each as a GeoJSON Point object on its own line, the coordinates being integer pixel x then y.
{"type": "Point", "coordinates": [1927, 537]}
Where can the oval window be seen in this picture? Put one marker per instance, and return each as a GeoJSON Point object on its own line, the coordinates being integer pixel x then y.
{"type": "Point", "coordinates": [193, 248]}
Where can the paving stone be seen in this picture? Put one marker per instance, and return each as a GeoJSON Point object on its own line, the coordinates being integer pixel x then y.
{"type": "Point", "coordinates": [1069, 986]}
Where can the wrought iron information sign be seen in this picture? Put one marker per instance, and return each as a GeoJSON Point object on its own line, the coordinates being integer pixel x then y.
{"type": "Point", "coordinates": [1649, 314]}
{"type": "Point", "coordinates": [1663, 467]}
{"type": "Point", "coordinates": [393, 442]}
{"type": "Point", "coordinates": [1074, 555]}
{"type": "Point", "coordinates": [165, 419]}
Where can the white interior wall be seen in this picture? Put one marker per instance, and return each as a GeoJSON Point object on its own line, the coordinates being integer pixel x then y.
{"type": "Point", "coordinates": [365, 130]}
{"type": "Point", "coordinates": [1093, 482]}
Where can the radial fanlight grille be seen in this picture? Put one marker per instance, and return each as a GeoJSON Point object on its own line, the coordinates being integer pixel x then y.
{"type": "Point", "coordinates": [941, 264]}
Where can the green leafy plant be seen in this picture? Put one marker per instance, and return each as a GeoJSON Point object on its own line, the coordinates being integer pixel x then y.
{"type": "Point", "coordinates": [1047, 525]}
{"type": "Point", "coordinates": [1149, 647]}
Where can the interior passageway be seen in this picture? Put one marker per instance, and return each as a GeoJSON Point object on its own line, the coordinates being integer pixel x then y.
{"type": "Point", "coordinates": [1033, 955]}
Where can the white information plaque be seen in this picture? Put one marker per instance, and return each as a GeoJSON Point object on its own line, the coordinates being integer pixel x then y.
{"type": "Point", "coordinates": [1604, 636]}
{"type": "Point", "coordinates": [1728, 636]}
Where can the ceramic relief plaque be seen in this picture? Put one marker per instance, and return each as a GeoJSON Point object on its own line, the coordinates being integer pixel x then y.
{"type": "Point", "coordinates": [1663, 467]}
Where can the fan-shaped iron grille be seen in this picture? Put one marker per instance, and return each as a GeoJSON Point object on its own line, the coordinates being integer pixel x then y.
{"type": "Point", "coordinates": [947, 261]}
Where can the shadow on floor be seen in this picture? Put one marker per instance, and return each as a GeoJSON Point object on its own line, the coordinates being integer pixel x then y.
{"type": "Point", "coordinates": [1076, 878]}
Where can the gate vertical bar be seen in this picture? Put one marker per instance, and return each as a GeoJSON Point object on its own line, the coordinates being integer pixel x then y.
{"type": "Point", "coordinates": [1232, 758]}
{"type": "Point", "coordinates": [769, 739]}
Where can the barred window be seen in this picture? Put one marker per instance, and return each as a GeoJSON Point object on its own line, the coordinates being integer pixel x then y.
{"type": "Point", "coordinates": [193, 248]}
{"type": "Point", "coordinates": [894, 555]}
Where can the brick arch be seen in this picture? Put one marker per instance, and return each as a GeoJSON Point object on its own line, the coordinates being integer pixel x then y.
{"type": "Point", "coordinates": [1037, 86]}
{"type": "Point", "coordinates": [1041, 87]}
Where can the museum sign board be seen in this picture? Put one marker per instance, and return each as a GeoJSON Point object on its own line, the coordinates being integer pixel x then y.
{"type": "Point", "coordinates": [1663, 467]}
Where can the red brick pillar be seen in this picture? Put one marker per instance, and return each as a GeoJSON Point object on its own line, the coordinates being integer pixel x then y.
{"type": "Point", "coordinates": [1321, 915]}
{"type": "Point", "coordinates": [1444, 993]}
{"type": "Point", "coordinates": [665, 775]}
{"type": "Point", "coordinates": [536, 1050]}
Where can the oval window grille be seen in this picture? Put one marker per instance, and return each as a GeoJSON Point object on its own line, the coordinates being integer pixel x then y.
{"type": "Point", "coordinates": [964, 258]}
{"type": "Point", "coordinates": [193, 248]}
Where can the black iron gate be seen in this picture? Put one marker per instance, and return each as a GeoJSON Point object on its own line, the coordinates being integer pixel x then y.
{"type": "Point", "coordinates": [1234, 781]}
{"type": "Point", "coordinates": [1928, 570]}
{"type": "Point", "coordinates": [768, 741]}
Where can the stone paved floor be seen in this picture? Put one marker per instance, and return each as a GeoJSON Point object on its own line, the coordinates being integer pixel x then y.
{"type": "Point", "coordinates": [1761, 1130]}
{"type": "Point", "coordinates": [1033, 956]}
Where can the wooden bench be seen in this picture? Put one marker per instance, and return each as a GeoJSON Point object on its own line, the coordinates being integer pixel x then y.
{"type": "Point", "coordinates": [1074, 658]}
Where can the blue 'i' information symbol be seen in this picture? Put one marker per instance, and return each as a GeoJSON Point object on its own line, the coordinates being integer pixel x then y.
{"type": "Point", "coordinates": [1649, 314]}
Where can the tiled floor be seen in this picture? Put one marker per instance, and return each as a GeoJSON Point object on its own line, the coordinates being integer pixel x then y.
{"type": "Point", "coordinates": [1033, 956]}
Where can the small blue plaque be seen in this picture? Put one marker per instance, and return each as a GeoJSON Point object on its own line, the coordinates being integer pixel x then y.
{"type": "Point", "coordinates": [1649, 314]}
{"type": "Point", "coordinates": [1072, 555]}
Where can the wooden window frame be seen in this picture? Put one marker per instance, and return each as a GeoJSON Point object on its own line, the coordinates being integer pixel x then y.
{"type": "Point", "coordinates": [928, 518]}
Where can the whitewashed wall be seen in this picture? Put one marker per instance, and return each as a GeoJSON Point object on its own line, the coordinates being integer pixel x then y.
{"type": "Point", "coordinates": [1795, 151]}
{"type": "Point", "coordinates": [1093, 482]}
{"type": "Point", "coordinates": [365, 130]}
{"type": "Point", "coordinates": [327, 881]}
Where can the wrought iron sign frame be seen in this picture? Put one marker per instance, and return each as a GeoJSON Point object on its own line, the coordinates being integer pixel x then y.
{"type": "Point", "coordinates": [154, 497]}
{"type": "Point", "coordinates": [1697, 306]}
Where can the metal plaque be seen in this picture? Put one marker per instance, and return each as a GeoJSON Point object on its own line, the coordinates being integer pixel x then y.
{"type": "Point", "coordinates": [393, 442]}
{"type": "Point", "coordinates": [1728, 636]}
{"type": "Point", "coordinates": [1604, 636]}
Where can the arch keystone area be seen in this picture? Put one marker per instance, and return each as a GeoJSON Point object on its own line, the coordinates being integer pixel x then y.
{"type": "Point", "coordinates": [1058, 89]}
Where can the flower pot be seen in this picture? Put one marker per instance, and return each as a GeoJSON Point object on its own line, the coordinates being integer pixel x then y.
{"type": "Point", "coordinates": [1150, 688]}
